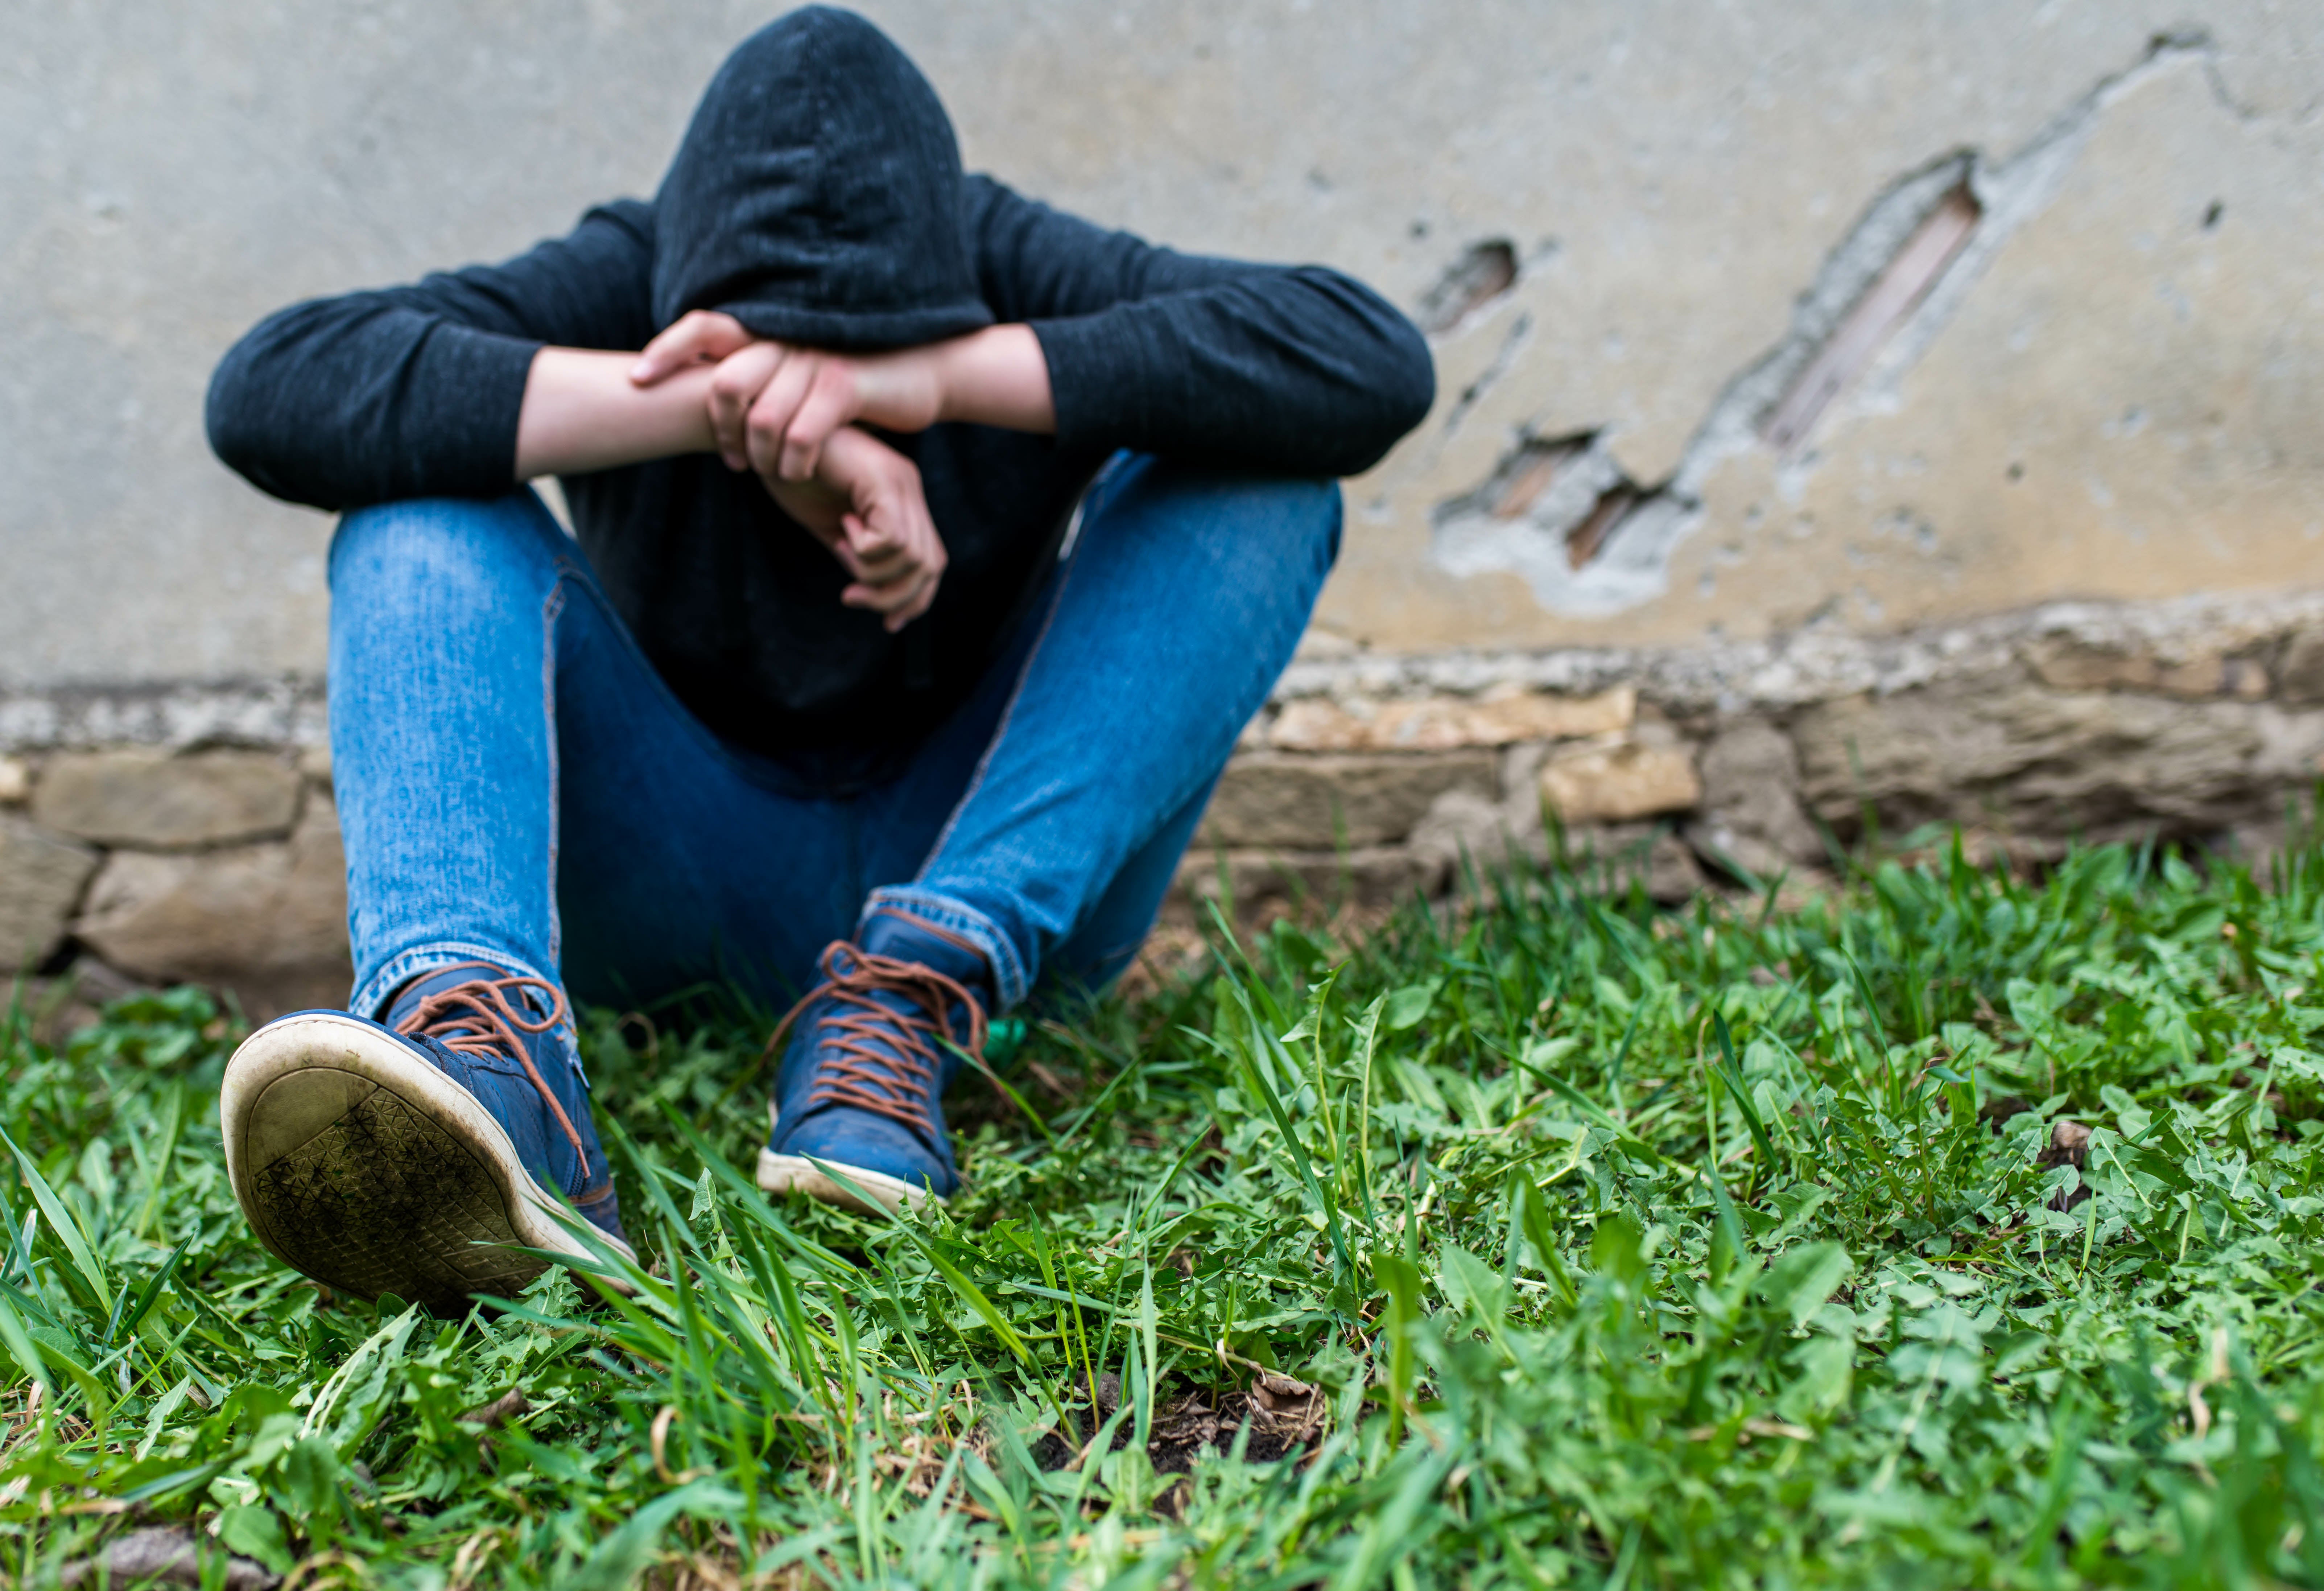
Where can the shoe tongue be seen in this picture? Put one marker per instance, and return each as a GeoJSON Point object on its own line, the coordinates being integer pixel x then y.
{"type": "Point", "coordinates": [408, 997]}
{"type": "Point", "coordinates": [906, 939]}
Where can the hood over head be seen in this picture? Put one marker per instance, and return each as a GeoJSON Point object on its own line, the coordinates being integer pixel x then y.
{"type": "Point", "coordinates": [817, 197]}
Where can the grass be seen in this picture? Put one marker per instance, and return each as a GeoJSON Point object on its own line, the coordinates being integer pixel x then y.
{"type": "Point", "coordinates": [1619, 1249]}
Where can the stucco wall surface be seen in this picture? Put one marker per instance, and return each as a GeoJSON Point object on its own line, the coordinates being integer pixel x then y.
{"type": "Point", "coordinates": [2110, 390]}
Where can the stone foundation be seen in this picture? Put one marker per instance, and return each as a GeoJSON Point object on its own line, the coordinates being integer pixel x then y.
{"type": "Point", "coordinates": [187, 833]}
{"type": "Point", "coordinates": [209, 863]}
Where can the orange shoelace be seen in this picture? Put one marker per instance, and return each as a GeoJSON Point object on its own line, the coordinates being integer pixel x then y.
{"type": "Point", "coordinates": [877, 1058]}
{"type": "Point", "coordinates": [486, 1016]}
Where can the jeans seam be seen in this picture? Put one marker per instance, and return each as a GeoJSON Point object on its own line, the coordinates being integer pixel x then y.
{"type": "Point", "coordinates": [552, 607]}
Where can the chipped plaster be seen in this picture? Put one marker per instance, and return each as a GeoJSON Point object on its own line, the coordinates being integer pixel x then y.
{"type": "Point", "coordinates": [1630, 563]}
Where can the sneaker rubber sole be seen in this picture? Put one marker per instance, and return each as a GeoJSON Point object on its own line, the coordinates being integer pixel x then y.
{"type": "Point", "coordinates": [795, 1173]}
{"type": "Point", "coordinates": [362, 1166]}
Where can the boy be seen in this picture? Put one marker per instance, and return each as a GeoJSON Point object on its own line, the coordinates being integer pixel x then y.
{"type": "Point", "coordinates": [931, 555]}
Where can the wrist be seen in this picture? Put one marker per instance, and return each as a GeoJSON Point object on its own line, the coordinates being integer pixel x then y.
{"type": "Point", "coordinates": [998, 376]}
{"type": "Point", "coordinates": [953, 364]}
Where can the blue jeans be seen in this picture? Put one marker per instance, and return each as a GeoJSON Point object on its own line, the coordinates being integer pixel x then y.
{"type": "Point", "coordinates": [516, 782]}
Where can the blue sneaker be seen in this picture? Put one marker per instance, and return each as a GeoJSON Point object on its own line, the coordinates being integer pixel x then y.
{"type": "Point", "coordinates": [405, 1157]}
{"type": "Point", "coordinates": [872, 1052]}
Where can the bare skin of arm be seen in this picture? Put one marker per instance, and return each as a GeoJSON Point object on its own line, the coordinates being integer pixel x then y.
{"type": "Point", "coordinates": [582, 412]}
{"type": "Point", "coordinates": [706, 384]}
{"type": "Point", "coordinates": [772, 405]}
{"type": "Point", "coordinates": [788, 414]}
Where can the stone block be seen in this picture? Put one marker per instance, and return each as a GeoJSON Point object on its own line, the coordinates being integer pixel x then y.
{"type": "Point", "coordinates": [42, 875]}
{"type": "Point", "coordinates": [1318, 803]}
{"type": "Point", "coordinates": [1673, 876]}
{"type": "Point", "coordinates": [1608, 858]}
{"type": "Point", "coordinates": [15, 781]}
{"type": "Point", "coordinates": [2036, 762]}
{"type": "Point", "coordinates": [1751, 812]}
{"type": "Point", "coordinates": [59, 1007]}
{"type": "Point", "coordinates": [1373, 878]}
{"type": "Point", "coordinates": [1446, 723]}
{"type": "Point", "coordinates": [268, 922]}
{"type": "Point", "coordinates": [1618, 781]}
{"type": "Point", "coordinates": [2300, 677]}
{"type": "Point", "coordinates": [2068, 662]}
{"type": "Point", "coordinates": [152, 800]}
{"type": "Point", "coordinates": [1464, 827]}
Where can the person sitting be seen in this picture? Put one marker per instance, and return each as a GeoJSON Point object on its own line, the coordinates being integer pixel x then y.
{"type": "Point", "coordinates": [931, 549]}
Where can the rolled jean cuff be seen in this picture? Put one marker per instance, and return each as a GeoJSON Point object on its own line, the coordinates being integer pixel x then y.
{"type": "Point", "coordinates": [376, 990]}
{"type": "Point", "coordinates": [1009, 975]}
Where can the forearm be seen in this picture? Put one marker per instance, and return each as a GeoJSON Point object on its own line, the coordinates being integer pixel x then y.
{"type": "Point", "coordinates": [768, 405]}
{"type": "Point", "coordinates": [582, 412]}
{"type": "Point", "coordinates": [998, 376]}
{"type": "Point", "coordinates": [1294, 371]}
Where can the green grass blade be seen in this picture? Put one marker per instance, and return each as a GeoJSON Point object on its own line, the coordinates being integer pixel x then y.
{"type": "Point", "coordinates": [63, 1223]}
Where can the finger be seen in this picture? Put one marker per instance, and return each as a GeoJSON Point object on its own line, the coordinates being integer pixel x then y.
{"type": "Point", "coordinates": [907, 520]}
{"type": "Point", "coordinates": [698, 336]}
{"type": "Point", "coordinates": [877, 577]}
{"type": "Point", "coordinates": [884, 598]}
{"type": "Point", "coordinates": [772, 413]}
{"type": "Point", "coordinates": [881, 573]}
{"type": "Point", "coordinates": [896, 605]}
{"type": "Point", "coordinates": [916, 529]}
{"type": "Point", "coordinates": [872, 537]}
{"type": "Point", "coordinates": [917, 605]}
{"type": "Point", "coordinates": [927, 546]}
{"type": "Point", "coordinates": [871, 557]}
{"type": "Point", "coordinates": [909, 599]}
{"type": "Point", "coordinates": [829, 402]}
{"type": "Point", "coordinates": [735, 388]}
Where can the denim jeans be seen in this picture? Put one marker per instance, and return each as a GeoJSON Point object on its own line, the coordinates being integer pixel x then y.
{"type": "Point", "coordinates": [516, 782]}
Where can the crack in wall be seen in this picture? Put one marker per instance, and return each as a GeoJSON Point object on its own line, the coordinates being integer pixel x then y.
{"type": "Point", "coordinates": [1559, 513]}
{"type": "Point", "coordinates": [1483, 272]}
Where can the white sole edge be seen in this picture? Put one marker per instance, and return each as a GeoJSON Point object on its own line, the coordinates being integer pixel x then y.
{"type": "Point", "coordinates": [320, 1041]}
{"type": "Point", "coordinates": [793, 1173]}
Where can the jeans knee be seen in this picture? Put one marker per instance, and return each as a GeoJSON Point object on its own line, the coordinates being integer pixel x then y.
{"type": "Point", "coordinates": [1284, 515]}
{"type": "Point", "coordinates": [1323, 516]}
{"type": "Point", "coordinates": [1301, 519]}
{"type": "Point", "coordinates": [1304, 518]}
{"type": "Point", "coordinates": [468, 546]}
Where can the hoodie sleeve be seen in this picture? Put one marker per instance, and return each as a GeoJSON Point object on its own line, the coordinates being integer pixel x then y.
{"type": "Point", "coordinates": [414, 391]}
{"type": "Point", "coordinates": [1293, 369]}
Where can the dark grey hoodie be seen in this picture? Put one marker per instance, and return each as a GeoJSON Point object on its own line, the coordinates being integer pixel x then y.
{"type": "Point", "coordinates": [818, 198]}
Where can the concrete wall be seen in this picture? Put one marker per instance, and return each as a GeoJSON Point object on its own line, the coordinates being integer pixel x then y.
{"type": "Point", "coordinates": [2111, 394]}
{"type": "Point", "coordinates": [1636, 226]}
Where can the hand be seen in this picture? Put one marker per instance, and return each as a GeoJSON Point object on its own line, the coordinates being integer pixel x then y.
{"type": "Point", "coordinates": [866, 505]}
{"type": "Point", "coordinates": [773, 407]}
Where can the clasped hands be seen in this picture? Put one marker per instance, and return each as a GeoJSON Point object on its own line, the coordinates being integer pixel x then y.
{"type": "Point", "coordinates": [793, 417]}
{"type": "Point", "coordinates": [796, 417]}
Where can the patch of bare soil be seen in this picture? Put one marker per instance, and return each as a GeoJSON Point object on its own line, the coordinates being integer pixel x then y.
{"type": "Point", "coordinates": [1283, 1416]}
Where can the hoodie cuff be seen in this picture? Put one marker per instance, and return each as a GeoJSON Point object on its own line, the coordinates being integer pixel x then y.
{"type": "Point", "coordinates": [464, 393]}
{"type": "Point", "coordinates": [1096, 380]}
